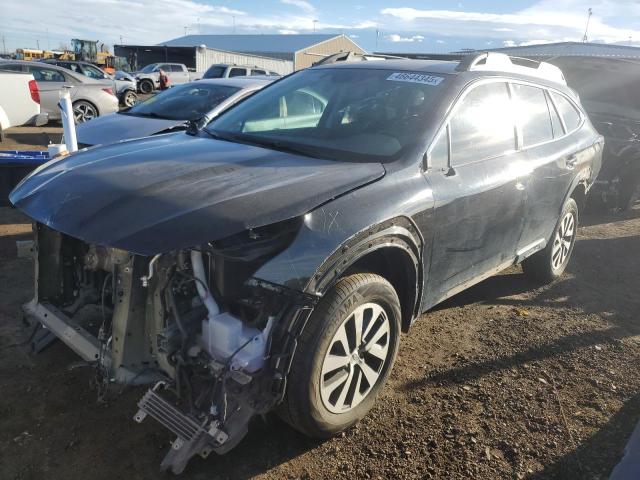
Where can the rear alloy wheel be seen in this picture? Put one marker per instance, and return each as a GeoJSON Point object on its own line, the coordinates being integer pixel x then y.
{"type": "Point", "coordinates": [84, 111]}
{"type": "Point", "coordinates": [129, 98]}
{"type": "Point", "coordinates": [344, 356]}
{"type": "Point", "coordinates": [550, 263]}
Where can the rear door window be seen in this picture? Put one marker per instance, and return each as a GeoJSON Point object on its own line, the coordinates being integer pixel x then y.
{"type": "Point", "coordinates": [13, 68]}
{"type": "Point", "coordinates": [567, 111]}
{"type": "Point", "coordinates": [483, 125]}
{"type": "Point", "coordinates": [530, 106]}
{"type": "Point", "coordinates": [258, 72]}
{"type": "Point", "coordinates": [237, 72]}
{"type": "Point", "coordinates": [46, 74]}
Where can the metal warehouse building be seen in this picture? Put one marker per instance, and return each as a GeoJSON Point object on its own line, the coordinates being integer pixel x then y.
{"type": "Point", "coordinates": [199, 58]}
{"type": "Point", "coordinates": [567, 49]}
{"type": "Point", "coordinates": [301, 51]}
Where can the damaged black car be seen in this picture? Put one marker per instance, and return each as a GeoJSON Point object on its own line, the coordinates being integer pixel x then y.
{"type": "Point", "coordinates": [271, 260]}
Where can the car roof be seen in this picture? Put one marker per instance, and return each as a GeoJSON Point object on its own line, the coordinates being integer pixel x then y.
{"type": "Point", "coordinates": [241, 82]}
{"type": "Point", "coordinates": [441, 67]}
{"type": "Point", "coordinates": [430, 66]}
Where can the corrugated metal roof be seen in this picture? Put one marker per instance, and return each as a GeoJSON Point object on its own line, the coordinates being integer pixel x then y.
{"type": "Point", "coordinates": [568, 49]}
{"type": "Point", "coordinates": [252, 43]}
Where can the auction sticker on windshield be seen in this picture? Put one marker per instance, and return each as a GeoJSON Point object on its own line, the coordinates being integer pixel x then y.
{"type": "Point", "coordinates": [415, 78]}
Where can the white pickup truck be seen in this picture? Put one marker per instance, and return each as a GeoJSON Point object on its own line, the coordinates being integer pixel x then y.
{"type": "Point", "coordinates": [149, 77]}
{"type": "Point", "coordinates": [19, 101]}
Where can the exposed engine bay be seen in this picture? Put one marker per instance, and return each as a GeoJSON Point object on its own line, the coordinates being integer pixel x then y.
{"type": "Point", "coordinates": [214, 343]}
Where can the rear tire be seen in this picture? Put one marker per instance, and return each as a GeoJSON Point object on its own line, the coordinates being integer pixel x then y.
{"type": "Point", "coordinates": [337, 372]}
{"type": "Point", "coordinates": [549, 264]}
{"type": "Point", "coordinates": [146, 86]}
{"type": "Point", "coordinates": [84, 111]}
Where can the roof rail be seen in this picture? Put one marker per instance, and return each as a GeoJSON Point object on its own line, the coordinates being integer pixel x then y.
{"type": "Point", "coordinates": [351, 57]}
{"type": "Point", "coordinates": [500, 62]}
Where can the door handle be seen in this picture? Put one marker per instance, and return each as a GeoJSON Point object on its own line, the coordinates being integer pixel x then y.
{"type": "Point", "coordinates": [571, 162]}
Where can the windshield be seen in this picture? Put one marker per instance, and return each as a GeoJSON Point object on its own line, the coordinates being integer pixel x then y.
{"type": "Point", "coordinates": [184, 102]}
{"type": "Point", "coordinates": [341, 114]}
{"type": "Point", "coordinates": [217, 71]}
{"type": "Point", "coordinates": [149, 68]}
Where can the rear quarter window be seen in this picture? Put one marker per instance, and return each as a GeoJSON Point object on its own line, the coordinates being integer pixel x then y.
{"type": "Point", "coordinates": [531, 110]}
{"type": "Point", "coordinates": [567, 111]}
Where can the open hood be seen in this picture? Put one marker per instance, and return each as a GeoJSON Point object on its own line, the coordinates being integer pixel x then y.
{"type": "Point", "coordinates": [176, 191]}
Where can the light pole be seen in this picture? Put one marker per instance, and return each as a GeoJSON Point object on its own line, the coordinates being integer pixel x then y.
{"type": "Point", "coordinates": [584, 38]}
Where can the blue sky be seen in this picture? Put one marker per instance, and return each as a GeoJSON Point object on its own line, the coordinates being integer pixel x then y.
{"type": "Point", "coordinates": [383, 25]}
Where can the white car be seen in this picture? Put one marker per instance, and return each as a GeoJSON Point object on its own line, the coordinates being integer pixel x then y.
{"type": "Point", "coordinates": [149, 77]}
{"type": "Point", "coordinates": [19, 101]}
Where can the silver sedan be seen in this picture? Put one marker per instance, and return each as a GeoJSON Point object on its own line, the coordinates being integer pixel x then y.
{"type": "Point", "coordinates": [170, 110]}
{"type": "Point", "coordinates": [90, 98]}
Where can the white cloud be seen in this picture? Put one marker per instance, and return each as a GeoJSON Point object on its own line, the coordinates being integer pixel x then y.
{"type": "Point", "coordinates": [354, 36]}
{"type": "Point", "coordinates": [287, 32]}
{"type": "Point", "coordinates": [146, 22]}
{"type": "Point", "coordinates": [547, 19]}
{"type": "Point", "coordinates": [394, 37]}
{"type": "Point", "coordinates": [301, 4]}
{"type": "Point", "coordinates": [509, 43]}
{"type": "Point", "coordinates": [226, 10]}
{"type": "Point", "coordinates": [440, 41]}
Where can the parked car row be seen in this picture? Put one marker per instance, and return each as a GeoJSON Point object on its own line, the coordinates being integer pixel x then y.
{"type": "Point", "coordinates": [90, 98]}
{"type": "Point", "coordinates": [271, 258]}
{"type": "Point", "coordinates": [178, 73]}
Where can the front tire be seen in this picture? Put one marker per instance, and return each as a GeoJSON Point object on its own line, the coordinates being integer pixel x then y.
{"type": "Point", "coordinates": [344, 356]}
{"type": "Point", "coordinates": [129, 98]}
{"type": "Point", "coordinates": [550, 263]}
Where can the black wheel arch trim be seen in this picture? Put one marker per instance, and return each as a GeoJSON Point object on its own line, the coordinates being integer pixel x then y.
{"type": "Point", "coordinates": [399, 233]}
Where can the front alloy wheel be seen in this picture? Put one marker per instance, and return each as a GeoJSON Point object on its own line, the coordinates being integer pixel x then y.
{"type": "Point", "coordinates": [129, 98]}
{"type": "Point", "coordinates": [352, 366]}
{"type": "Point", "coordinates": [344, 356]}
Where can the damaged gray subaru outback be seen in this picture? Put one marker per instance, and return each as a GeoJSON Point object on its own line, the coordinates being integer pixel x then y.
{"type": "Point", "coordinates": [271, 259]}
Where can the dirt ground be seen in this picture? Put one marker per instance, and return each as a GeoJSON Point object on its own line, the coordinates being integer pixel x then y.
{"type": "Point", "coordinates": [506, 380]}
